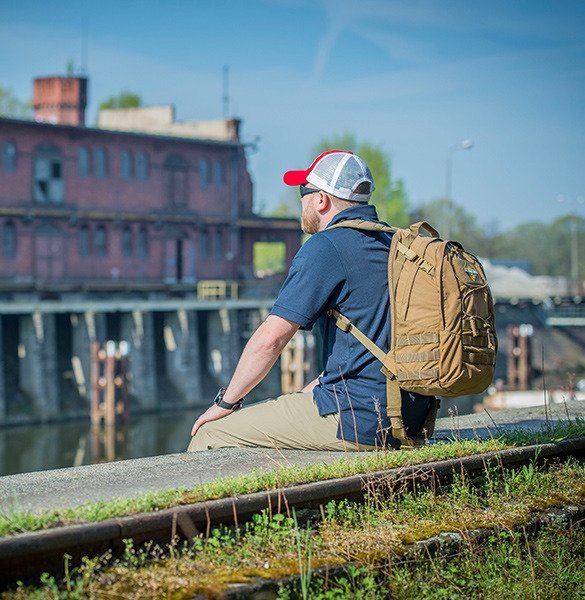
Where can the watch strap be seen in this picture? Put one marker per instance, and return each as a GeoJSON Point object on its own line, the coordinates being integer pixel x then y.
{"type": "Point", "coordinates": [219, 401]}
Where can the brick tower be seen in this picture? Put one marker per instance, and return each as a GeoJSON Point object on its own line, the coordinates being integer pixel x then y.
{"type": "Point", "coordinates": [60, 100]}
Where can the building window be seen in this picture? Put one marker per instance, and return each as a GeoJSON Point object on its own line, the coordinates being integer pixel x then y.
{"type": "Point", "coordinates": [176, 180]}
{"type": "Point", "coordinates": [84, 240]}
{"type": "Point", "coordinates": [102, 167]}
{"type": "Point", "coordinates": [126, 165]}
{"type": "Point", "coordinates": [9, 239]}
{"type": "Point", "coordinates": [143, 243]}
{"type": "Point", "coordinates": [219, 174]}
{"type": "Point", "coordinates": [142, 166]}
{"type": "Point", "coordinates": [218, 244]}
{"type": "Point", "coordinates": [9, 156]}
{"type": "Point", "coordinates": [127, 241]}
{"type": "Point", "coordinates": [204, 172]}
{"type": "Point", "coordinates": [101, 246]}
{"type": "Point", "coordinates": [204, 243]}
{"type": "Point", "coordinates": [48, 175]}
{"type": "Point", "coordinates": [83, 162]}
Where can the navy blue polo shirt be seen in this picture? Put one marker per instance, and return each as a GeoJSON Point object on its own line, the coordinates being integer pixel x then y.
{"type": "Point", "coordinates": [348, 269]}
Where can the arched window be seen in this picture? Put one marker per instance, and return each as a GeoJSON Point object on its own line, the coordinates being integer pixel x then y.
{"type": "Point", "coordinates": [219, 173]}
{"type": "Point", "coordinates": [9, 239]}
{"type": "Point", "coordinates": [204, 173]}
{"type": "Point", "coordinates": [9, 156]}
{"type": "Point", "coordinates": [176, 180]}
{"type": "Point", "coordinates": [142, 166]}
{"type": "Point", "coordinates": [84, 240]}
{"type": "Point", "coordinates": [101, 163]}
{"type": "Point", "coordinates": [143, 242]}
{"type": "Point", "coordinates": [127, 241]}
{"type": "Point", "coordinates": [83, 162]}
{"type": "Point", "coordinates": [126, 165]}
{"type": "Point", "coordinates": [48, 174]}
{"type": "Point", "coordinates": [101, 242]}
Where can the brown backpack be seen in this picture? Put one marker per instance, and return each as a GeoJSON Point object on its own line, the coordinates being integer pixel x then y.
{"type": "Point", "coordinates": [443, 334]}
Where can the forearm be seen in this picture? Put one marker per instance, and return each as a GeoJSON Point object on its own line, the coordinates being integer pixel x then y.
{"type": "Point", "coordinates": [258, 357]}
{"type": "Point", "coordinates": [313, 384]}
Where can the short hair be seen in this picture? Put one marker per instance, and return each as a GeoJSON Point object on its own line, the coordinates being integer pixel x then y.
{"type": "Point", "coordinates": [341, 204]}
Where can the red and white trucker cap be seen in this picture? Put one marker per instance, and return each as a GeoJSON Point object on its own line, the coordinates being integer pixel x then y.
{"type": "Point", "coordinates": [339, 173]}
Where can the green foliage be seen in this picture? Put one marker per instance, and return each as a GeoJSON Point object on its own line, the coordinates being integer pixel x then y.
{"type": "Point", "coordinates": [362, 537]}
{"type": "Point", "coordinates": [390, 197]}
{"type": "Point", "coordinates": [13, 107]}
{"type": "Point", "coordinates": [446, 216]}
{"type": "Point", "coordinates": [269, 258]}
{"type": "Point", "coordinates": [124, 99]}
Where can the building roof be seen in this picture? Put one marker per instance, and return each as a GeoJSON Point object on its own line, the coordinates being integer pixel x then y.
{"type": "Point", "coordinates": [135, 134]}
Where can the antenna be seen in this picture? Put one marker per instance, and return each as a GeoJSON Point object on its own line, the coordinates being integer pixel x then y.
{"type": "Point", "coordinates": [84, 46]}
{"type": "Point", "coordinates": [226, 92]}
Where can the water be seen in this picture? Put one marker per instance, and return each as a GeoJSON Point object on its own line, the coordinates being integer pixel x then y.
{"type": "Point", "coordinates": [57, 445]}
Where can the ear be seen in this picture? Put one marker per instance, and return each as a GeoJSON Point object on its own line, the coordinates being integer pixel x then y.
{"type": "Point", "coordinates": [323, 203]}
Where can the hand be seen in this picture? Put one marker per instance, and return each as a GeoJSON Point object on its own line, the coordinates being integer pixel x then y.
{"type": "Point", "coordinates": [213, 413]}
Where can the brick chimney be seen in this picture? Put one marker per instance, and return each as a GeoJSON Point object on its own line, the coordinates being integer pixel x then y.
{"type": "Point", "coordinates": [60, 100]}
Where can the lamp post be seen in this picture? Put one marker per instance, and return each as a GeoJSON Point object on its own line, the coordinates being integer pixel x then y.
{"type": "Point", "coordinates": [463, 145]}
{"type": "Point", "coordinates": [574, 247]}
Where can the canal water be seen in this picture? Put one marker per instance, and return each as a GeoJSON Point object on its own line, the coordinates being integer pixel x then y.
{"type": "Point", "coordinates": [58, 445]}
{"type": "Point", "coordinates": [74, 443]}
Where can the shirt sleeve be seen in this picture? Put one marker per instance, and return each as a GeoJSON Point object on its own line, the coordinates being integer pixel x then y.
{"type": "Point", "coordinates": [313, 285]}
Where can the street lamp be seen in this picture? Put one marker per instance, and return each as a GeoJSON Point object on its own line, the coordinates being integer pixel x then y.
{"type": "Point", "coordinates": [574, 246]}
{"type": "Point", "coordinates": [463, 145]}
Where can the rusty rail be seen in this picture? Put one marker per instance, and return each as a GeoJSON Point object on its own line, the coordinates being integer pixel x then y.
{"type": "Point", "coordinates": [27, 555]}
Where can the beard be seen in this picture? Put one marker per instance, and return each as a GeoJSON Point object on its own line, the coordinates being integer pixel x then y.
{"type": "Point", "coordinates": [310, 220]}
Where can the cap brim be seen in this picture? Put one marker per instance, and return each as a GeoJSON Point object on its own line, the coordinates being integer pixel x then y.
{"type": "Point", "coordinates": [295, 177]}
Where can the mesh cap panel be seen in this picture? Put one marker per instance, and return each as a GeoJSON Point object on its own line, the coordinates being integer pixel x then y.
{"type": "Point", "coordinates": [340, 174]}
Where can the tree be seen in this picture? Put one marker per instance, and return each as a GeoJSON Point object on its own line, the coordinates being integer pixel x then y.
{"type": "Point", "coordinates": [389, 198]}
{"type": "Point", "coordinates": [444, 214]}
{"type": "Point", "coordinates": [11, 106]}
{"type": "Point", "coordinates": [124, 99]}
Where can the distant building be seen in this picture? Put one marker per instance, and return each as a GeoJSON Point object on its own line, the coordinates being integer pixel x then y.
{"type": "Point", "coordinates": [139, 199]}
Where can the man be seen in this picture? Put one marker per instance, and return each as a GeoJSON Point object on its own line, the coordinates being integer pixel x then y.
{"type": "Point", "coordinates": [345, 407]}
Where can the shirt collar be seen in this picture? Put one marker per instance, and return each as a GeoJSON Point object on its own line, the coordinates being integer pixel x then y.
{"type": "Point", "coordinates": [367, 212]}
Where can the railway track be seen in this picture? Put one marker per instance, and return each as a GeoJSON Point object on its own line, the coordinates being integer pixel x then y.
{"type": "Point", "coordinates": [25, 556]}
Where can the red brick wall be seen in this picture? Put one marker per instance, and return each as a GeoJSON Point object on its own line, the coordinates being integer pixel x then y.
{"type": "Point", "coordinates": [207, 209]}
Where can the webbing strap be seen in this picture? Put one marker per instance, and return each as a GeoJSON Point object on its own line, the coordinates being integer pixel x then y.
{"type": "Point", "coordinates": [419, 338]}
{"type": "Point", "coordinates": [476, 358]}
{"type": "Point", "coordinates": [364, 225]}
{"type": "Point", "coordinates": [481, 340]}
{"type": "Point", "coordinates": [410, 357]}
{"type": "Point", "coordinates": [394, 411]}
{"type": "Point", "coordinates": [346, 325]}
{"type": "Point", "coordinates": [417, 375]}
{"type": "Point", "coordinates": [412, 256]}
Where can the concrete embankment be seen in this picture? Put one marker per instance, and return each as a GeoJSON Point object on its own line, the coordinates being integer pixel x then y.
{"type": "Point", "coordinates": [71, 487]}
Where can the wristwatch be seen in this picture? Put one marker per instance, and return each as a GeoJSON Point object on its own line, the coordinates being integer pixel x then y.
{"type": "Point", "coordinates": [220, 401]}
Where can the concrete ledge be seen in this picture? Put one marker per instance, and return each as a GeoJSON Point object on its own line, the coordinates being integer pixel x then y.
{"type": "Point", "coordinates": [71, 487]}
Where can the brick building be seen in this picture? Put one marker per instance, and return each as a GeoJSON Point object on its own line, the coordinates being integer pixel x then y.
{"type": "Point", "coordinates": [140, 200]}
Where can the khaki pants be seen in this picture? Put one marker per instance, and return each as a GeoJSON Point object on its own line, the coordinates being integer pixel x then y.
{"type": "Point", "coordinates": [291, 422]}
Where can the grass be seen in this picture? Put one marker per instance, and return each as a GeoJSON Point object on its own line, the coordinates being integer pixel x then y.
{"type": "Point", "coordinates": [22, 521]}
{"type": "Point", "coordinates": [511, 566]}
{"type": "Point", "coordinates": [366, 535]}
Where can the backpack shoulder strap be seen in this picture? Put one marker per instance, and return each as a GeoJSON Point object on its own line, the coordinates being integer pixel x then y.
{"type": "Point", "coordinates": [365, 225]}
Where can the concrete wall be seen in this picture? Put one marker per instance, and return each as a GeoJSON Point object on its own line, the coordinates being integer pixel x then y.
{"type": "Point", "coordinates": [137, 328]}
{"type": "Point", "coordinates": [39, 376]}
{"type": "Point", "coordinates": [182, 360]}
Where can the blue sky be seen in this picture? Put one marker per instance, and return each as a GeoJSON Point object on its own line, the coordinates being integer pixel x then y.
{"type": "Point", "coordinates": [414, 77]}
